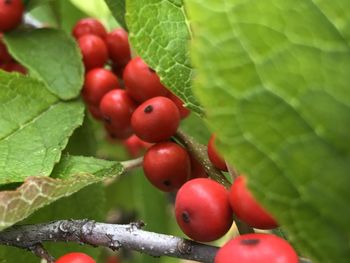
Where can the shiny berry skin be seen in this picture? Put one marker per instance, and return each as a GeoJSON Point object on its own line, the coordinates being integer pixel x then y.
{"type": "Point", "coordinates": [216, 159]}
{"type": "Point", "coordinates": [202, 209]}
{"type": "Point", "coordinates": [141, 82]}
{"type": "Point", "coordinates": [197, 170]}
{"type": "Point", "coordinates": [118, 47]}
{"type": "Point", "coordinates": [135, 146]}
{"type": "Point", "coordinates": [5, 56]}
{"type": "Point", "coordinates": [116, 108]}
{"type": "Point", "coordinates": [93, 50]}
{"type": "Point", "coordinates": [246, 207]}
{"type": "Point", "coordinates": [184, 112]}
{"type": "Point", "coordinates": [75, 257]}
{"type": "Point", "coordinates": [87, 26]}
{"type": "Point", "coordinates": [97, 83]}
{"type": "Point", "coordinates": [256, 248]}
{"type": "Point", "coordinates": [95, 112]}
{"type": "Point", "coordinates": [117, 133]}
{"type": "Point", "coordinates": [156, 119]}
{"type": "Point", "coordinates": [11, 13]}
{"type": "Point", "coordinates": [167, 166]}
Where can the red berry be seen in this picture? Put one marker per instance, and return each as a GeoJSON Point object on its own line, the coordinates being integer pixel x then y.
{"type": "Point", "coordinates": [87, 26]}
{"type": "Point", "coordinates": [117, 133]}
{"type": "Point", "coordinates": [197, 170]}
{"type": "Point", "coordinates": [116, 108]}
{"type": "Point", "coordinates": [142, 82]}
{"type": "Point", "coordinates": [75, 257]}
{"type": "Point", "coordinates": [246, 207]}
{"type": "Point", "coordinates": [256, 248]}
{"type": "Point", "coordinates": [94, 51]}
{"type": "Point", "coordinates": [167, 166]}
{"type": "Point", "coordinates": [98, 82]}
{"type": "Point", "coordinates": [11, 12]}
{"type": "Point", "coordinates": [184, 112]}
{"type": "Point", "coordinates": [95, 112]}
{"type": "Point", "coordinates": [5, 56]}
{"type": "Point", "coordinates": [135, 146]}
{"type": "Point", "coordinates": [156, 119]}
{"type": "Point", "coordinates": [216, 159]}
{"type": "Point", "coordinates": [15, 67]}
{"type": "Point", "coordinates": [118, 47]}
{"type": "Point", "coordinates": [202, 209]}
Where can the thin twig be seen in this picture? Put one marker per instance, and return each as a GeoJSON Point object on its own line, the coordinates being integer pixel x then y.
{"type": "Point", "coordinates": [199, 151]}
{"type": "Point", "coordinates": [132, 164]}
{"type": "Point", "coordinates": [41, 252]}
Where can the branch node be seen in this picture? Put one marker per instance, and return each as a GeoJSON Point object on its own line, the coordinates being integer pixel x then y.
{"type": "Point", "coordinates": [185, 247]}
{"type": "Point", "coordinates": [41, 252]}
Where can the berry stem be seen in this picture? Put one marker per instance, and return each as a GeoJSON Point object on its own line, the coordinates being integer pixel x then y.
{"type": "Point", "coordinates": [132, 164]}
{"type": "Point", "coordinates": [199, 151]}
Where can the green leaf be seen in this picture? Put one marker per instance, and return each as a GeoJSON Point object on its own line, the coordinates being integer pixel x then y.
{"type": "Point", "coordinates": [52, 56]}
{"type": "Point", "coordinates": [273, 77]}
{"type": "Point", "coordinates": [117, 8]}
{"type": "Point", "coordinates": [30, 4]}
{"type": "Point", "coordinates": [160, 35]}
{"type": "Point", "coordinates": [34, 127]}
{"type": "Point", "coordinates": [94, 8]}
{"type": "Point", "coordinates": [86, 203]}
{"type": "Point", "coordinates": [69, 176]}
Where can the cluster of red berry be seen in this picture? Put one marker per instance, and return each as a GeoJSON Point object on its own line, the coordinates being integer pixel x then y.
{"type": "Point", "coordinates": [144, 111]}
{"type": "Point", "coordinates": [11, 13]}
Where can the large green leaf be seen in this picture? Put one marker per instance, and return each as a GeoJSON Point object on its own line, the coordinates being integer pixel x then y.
{"type": "Point", "coordinates": [70, 175]}
{"type": "Point", "coordinates": [117, 8]}
{"type": "Point", "coordinates": [52, 56]}
{"type": "Point", "coordinates": [30, 4]}
{"type": "Point", "coordinates": [34, 127]}
{"type": "Point", "coordinates": [273, 77]}
{"type": "Point", "coordinates": [159, 33]}
{"type": "Point", "coordinates": [86, 203]}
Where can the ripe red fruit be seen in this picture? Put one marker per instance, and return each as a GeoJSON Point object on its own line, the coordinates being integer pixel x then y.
{"type": "Point", "coordinates": [256, 248]}
{"type": "Point", "coordinates": [75, 257]}
{"type": "Point", "coordinates": [95, 112]}
{"type": "Point", "coordinates": [116, 108]}
{"type": "Point", "coordinates": [11, 12]}
{"type": "Point", "coordinates": [118, 47]}
{"type": "Point", "coordinates": [135, 146]}
{"type": "Point", "coordinates": [184, 112]}
{"type": "Point", "coordinates": [197, 170]}
{"type": "Point", "coordinates": [167, 166]}
{"type": "Point", "coordinates": [15, 67]}
{"type": "Point", "coordinates": [97, 83]}
{"type": "Point", "coordinates": [5, 56]}
{"type": "Point", "coordinates": [202, 209]}
{"type": "Point", "coordinates": [87, 26]}
{"type": "Point", "coordinates": [216, 159]}
{"type": "Point", "coordinates": [156, 119]}
{"type": "Point", "coordinates": [246, 207]}
{"type": "Point", "coordinates": [141, 82]}
{"type": "Point", "coordinates": [93, 50]}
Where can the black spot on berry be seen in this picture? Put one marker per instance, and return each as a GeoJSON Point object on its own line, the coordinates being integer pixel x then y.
{"type": "Point", "coordinates": [250, 242]}
{"type": "Point", "coordinates": [167, 182]}
{"type": "Point", "coordinates": [107, 119]}
{"type": "Point", "coordinates": [185, 217]}
{"type": "Point", "coordinates": [148, 109]}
